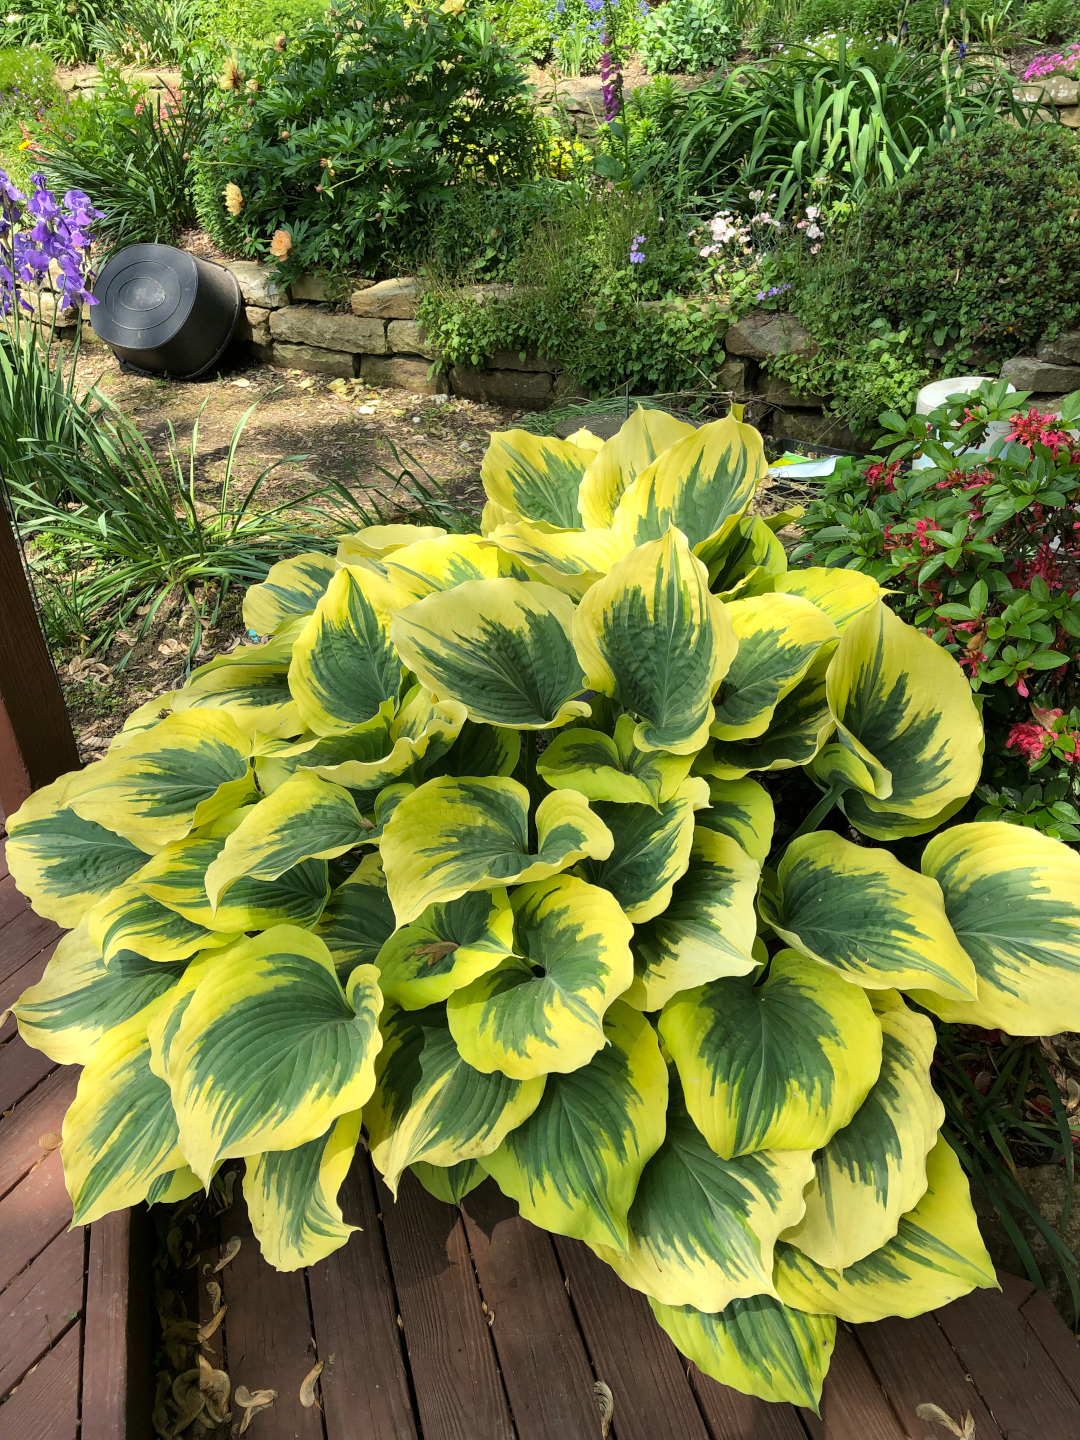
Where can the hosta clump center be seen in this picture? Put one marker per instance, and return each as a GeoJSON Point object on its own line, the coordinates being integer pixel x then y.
{"type": "Point", "coordinates": [470, 852]}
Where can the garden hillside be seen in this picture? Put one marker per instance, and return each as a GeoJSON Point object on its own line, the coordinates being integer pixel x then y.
{"type": "Point", "coordinates": [636, 515]}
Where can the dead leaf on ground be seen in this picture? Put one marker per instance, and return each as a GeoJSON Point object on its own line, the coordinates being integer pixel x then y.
{"type": "Point", "coordinates": [213, 1289]}
{"type": "Point", "coordinates": [605, 1402]}
{"type": "Point", "coordinates": [82, 668]}
{"type": "Point", "coordinates": [251, 1404]}
{"type": "Point", "coordinates": [172, 647]}
{"type": "Point", "coordinates": [307, 1386]}
{"type": "Point", "coordinates": [228, 1255]}
{"type": "Point", "coordinates": [215, 1386]}
{"type": "Point", "coordinates": [964, 1431]}
{"type": "Point", "coordinates": [205, 1331]}
{"type": "Point", "coordinates": [50, 1141]}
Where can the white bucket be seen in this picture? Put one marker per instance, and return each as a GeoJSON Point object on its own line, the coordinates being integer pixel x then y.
{"type": "Point", "coordinates": [936, 393]}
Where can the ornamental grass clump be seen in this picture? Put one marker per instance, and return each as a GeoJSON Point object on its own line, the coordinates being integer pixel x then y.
{"type": "Point", "coordinates": [474, 851]}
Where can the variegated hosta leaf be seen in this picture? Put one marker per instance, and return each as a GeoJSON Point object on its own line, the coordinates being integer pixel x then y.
{"type": "Point", "coordinates": [777, 1066]}
{"type": "Point", "coordinates": [424, 727]}
{"type": "Point", "coordinates": [358, 919]}
{"type": "Point", "coordinates": [575, 1162]}
{"type": "Point", "coordinates": [862, 912]}
{"type": "Point", "coordinates": [586, 440]}
{"type": "Point", "coordinates": [479, 750]}
{"type": "Point", "coordinates": [569, 560]}
{"type": "Point", "coordinates": [534, 477]}
{"type": "Point", "coordinates": [446, 948]}
{"type": "Point", "coordinates": [647, 434]}
{"type": "Point", "coordinates": [291, 1197]}
{"type": "Point", "coordinates": [1012, 896]}
{"type": "Point", "coordinates": [292, 587]}
{"type": "Point", "coordinates": [701, 485]}
{"type": "Point", "coordinates": [542, 1009]}
{"type": "Point", "coordinates": [79, 997]}
{"type": "Point", "coordinates": [702, 1228]}
{"type": "Point", "coordinates": [428, 565]}
{"type": "Point", "coordinates": [176, 878]}
{"type": "Point", "coordinates": [651, 851]}
{"type": "Point", "coordinates": [61, 863]}
{"type": "Point", "coordinates": [451, 836]}
{"type": "Point", "coordinates": [502, 648]}
{"type": "Point", "coordinates": [271, 1049]}
{"type": "Point", "coordinates": [120, 1131]}
{"type": "Point", "coordinates": [936, 1255]}
{"type": "Point", "coordinates": [184, 772]}
{"type": "Point", "coordinates": [129, 919]}
{"type": "Point", "coordinates": [251, 683]}
{"type": "Point", "coordinates": [744, 810]}
{"type": "Point", "coordinates": [903, 703]}
{"type": "Point", "coordinates": [750, 558]}
{"type": "Point", "coordinates": [800, 725]}
{"type": "Point", "coordinates": [429, 1105]}
{"type": "Point", "coordinates": [707, 929]}
{"type": "Point", "coordinates": [874, 1170]}
{"type": "Point", "coordinates": [650, 635]}
{"type": "Point", "coordinates": [779, 638]}
{"type": "Point", "coordinates": [757, 1346]}
{"type": "Point", "coordinates": [842, 594]}
{"type": "Point", "coordinates": [165, 1019]}
{"type": "Point", "coordinates": [173, 1186]}
{"type": "Point", "coordinates": [366, 746]}
{"type": "Point", "coordinates": [376, 542]}
{"type": "Point", "coordinates": [449, 1183]}
{"type": "Point", "coordinates": [602, 768]}
{"type": "Point", "coordinates": [304, 819]}
{"type": "Point", "coordinates": [344, 668]}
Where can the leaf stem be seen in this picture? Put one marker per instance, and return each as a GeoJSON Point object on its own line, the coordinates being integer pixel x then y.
{"type": "Point", "coordinates": [813, 820]}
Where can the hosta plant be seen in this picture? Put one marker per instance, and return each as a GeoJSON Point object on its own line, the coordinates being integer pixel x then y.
{"type": "Point", "coordinates": [474, 850]}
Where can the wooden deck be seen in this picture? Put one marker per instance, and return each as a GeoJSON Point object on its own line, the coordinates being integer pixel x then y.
{"type": "Point", "coordinates": [438, 1325]}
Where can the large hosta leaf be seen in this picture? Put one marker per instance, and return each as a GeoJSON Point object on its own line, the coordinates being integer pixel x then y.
{"type": "Point", "coordinates": [569, 560]}
{"type": "Point", "coordinates": [376, 542]}
{"type": "Point", "coordinates": [800, 725]}
{"type": "Point", "coordinates": [904, 709]}
{"type": "Point", "coordinates": [62, 863]}
{"type": "Point", "coordinates": [779, 638]}
{"type": "Point", "coordinates": [304, 819]}
{"type": "Point", "coordinates": [758, 1346]}
{"type": "Point", "coordinates": [479, 750]}
{"type": "Point", "coordinates": [702, 485]}
{"type": "Point", "coordinates": [502, 648]}
{"type": "Point", "coordinates": [602, 768]}
{"type": "Point", "coordinates": [647, 434]}
{"type": "Point", "coordinates": [344, 667]}
{"type": "Point", "coordinates": [936, 1255]}
{"type": "Point", "coordinates": [874, 1170]}
{"type": "Point", "coordinates": [707, 929]}
{"type": "Point", "coordinates": [358, 919]}
{"type": "Point", "coordinates": [424, 728]}
{"type": "Point", "coordinates": [744, 810]}
{"type": "Point", "coordinates": [574, 1165]}
{"type": "Point", "coordinates": [650, 635]}
{"type": "Point", "coordinates": [271, 1049]}
{"type": "Point", "coordinates": [441, 563]}
{"type": "Point", "coordinates": [291, 1197]}
{"type": "Point", "coordinates": [451, 836]}
{"type": "Point", "coordinates": [842, 594]}
{"type": "Point", "coordinates": [869, 917]}
{"type": "Point", "coordinates": [184, 772]}
{"type": "Point", "coordinates": [292, 587]}
{"type": "Point", "coordinates": [251, 683]}
{"type": "Point", "coordinates": [777, 1066]}
{"type": "Point", "coordinates": [429, 1105]}
{"type": "Point", "coordinates": [119, 1132]}
{"type": "Point", "coordinates": [703, 1229]}
{"type": "Point", "coordinates": [534, 477]}
{"type": "Point", "coordinates": [129, 919]}
{"type": "Point", "coordinates": [1012, 896]}
{"type": "Point", "coordinates": [651, 851]}
{"type": "Point", "coordinates": [542, 1009]}
{"type": "Point", "coordinates": [748, 559]}
{"type": "Point", "coordinates": [79, 997]}
{"type": "Point", "coordinates": [449, 1183]}
{"type": "Point", "coordinates": [446, 948]}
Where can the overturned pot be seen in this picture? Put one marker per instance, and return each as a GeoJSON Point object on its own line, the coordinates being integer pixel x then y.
{"type": "Point", "coordinates": [164, 312]}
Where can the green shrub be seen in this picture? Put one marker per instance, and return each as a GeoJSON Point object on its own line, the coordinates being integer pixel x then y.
{"type": "Point", "coordinates": [130, 151]}
{"type": "Point", "coordinates": [348, 139]}
{"type": "Point", "coordinates": [688, 35]}
{"type": "Point", "coordinates": [1050, 20]}
{"type": "Point", "coordinates": [480, 231]}
{"type": "Point", "coordinates": [239, 23]}
{"type": "Point", "coordinates": [62, 28]}
{"type": "Point", "coordinates": [569, 32]}
{"type": "Point", "coordinates": [148, 32]}
{"type": "Point", "coordinates": [981, 245]}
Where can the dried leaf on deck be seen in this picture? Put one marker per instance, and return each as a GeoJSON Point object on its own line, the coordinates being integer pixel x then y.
{"type": "Point", "coordinates": [205, 1331]}
{"type": "Point", "coordinates": [251, 1404]}
{"type": "Point", "coordinates": [232, 1249]}
{"type": "Point", "coordinates": [215, 1386]}
{"type": "Point", "coordinates": [964, 1431]}
{"type": "Point", "coordinates": [50, 1141]}
{"type": "Point", "coordinates": [605, 1402]}
{"type": "Point", "coordinates": [307, 1386]}
{"type": "Point", "coordinates": [213, 1289]}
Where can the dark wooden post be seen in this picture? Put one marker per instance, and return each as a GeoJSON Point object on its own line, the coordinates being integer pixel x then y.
{"type": "Point", "coordinates": [36, 741]}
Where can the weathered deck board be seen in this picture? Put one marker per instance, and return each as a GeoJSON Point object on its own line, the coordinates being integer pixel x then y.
{"type": "Point", "coordinates": [41, 1113]}
{"type": "Point", "coordinates": [546, 1369]}
{"type": "Point", "coordinates": [459, 1393]}
{"type": "Point", "coordinates": [40, 1305]}
{"type": "Point", "coordinates": [46, 1404]}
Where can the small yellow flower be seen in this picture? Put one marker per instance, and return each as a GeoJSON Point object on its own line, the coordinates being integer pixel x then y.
{"type": "Point", "coordinates": [452, 7]}
{"type": "Point", "coordinates": [281, 244]}
{"type": "Point", "coordinates": [230, 76]}
{"type": "Point", "coordinates": [234, 200]}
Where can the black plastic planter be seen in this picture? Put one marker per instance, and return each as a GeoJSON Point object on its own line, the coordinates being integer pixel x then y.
{"type": "Point", "coordinates": [163, 311]}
